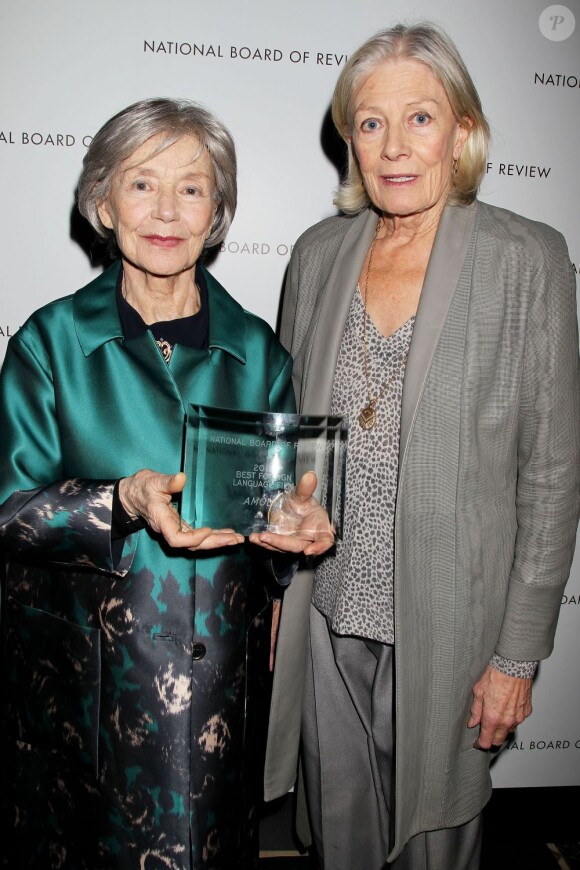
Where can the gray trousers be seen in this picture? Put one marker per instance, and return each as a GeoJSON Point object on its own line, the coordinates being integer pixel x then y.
{"type": "Point", "coordinates": [348, 762]}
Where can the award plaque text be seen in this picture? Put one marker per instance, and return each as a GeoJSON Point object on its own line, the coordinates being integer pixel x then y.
{"type": "Point", "coordinates": [239, 464]}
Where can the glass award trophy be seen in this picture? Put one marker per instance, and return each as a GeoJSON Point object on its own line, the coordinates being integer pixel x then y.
{"type": "Point", "coordinates": [240, 465]}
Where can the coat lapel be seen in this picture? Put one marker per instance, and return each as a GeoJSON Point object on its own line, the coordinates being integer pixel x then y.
{"type": "Point", "coordinates": [445, 264]}
{"type": "Point", "coordinates": [333, 312]}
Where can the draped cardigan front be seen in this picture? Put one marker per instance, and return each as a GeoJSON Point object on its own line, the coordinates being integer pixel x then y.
{"type": "Point", "coordinates": [126, 677]}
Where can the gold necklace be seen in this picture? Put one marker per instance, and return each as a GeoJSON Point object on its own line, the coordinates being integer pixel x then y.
{"type": "Point", "coordinates": [368, 416]}
{"type": "Point", "coordinates": [165, 347]}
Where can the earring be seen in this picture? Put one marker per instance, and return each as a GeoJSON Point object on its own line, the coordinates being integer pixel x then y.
{"type": "Point", "coordinates": [454, 166]}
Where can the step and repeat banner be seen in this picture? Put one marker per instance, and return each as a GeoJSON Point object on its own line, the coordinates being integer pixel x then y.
{"type": "Point", "coordinates": [267, 69]}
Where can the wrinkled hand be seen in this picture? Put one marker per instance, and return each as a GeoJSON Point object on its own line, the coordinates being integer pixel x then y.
{"type": "Point", "coordinates": [148, 494]}
{"type": "Point", "coordinates": [302, 524]}
{"type": "Point", "coordinates": [500, 702]}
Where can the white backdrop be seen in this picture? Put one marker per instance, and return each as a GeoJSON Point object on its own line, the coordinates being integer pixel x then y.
{"type": "Point", "coordinates": [267, 69]}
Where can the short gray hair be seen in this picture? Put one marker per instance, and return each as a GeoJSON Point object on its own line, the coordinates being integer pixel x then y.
{"type": "Point", "coordinates": [132, 127]}
{"type": "Point", "coordinates": [431, 46]}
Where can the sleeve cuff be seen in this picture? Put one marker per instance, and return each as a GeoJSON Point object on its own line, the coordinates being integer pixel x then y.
{"type": "Point", "coordinates": [523, 670]}
{"type": "Point", "coordinates": [122, 524]}
{"type": "Point", "coordinates": [529, 621]}
{"type": "Point", "coordinates": [284, 568]}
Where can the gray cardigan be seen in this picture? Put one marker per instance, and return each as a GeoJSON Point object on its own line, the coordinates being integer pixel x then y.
{"type": "Point", "coordinates": [489, 483]}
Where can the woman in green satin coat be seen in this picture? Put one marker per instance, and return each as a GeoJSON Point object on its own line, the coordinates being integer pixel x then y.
{"type": "Point", "coordinates": [129, 701]}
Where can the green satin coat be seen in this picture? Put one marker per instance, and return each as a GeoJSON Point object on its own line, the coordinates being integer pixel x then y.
{"type": "Point", "coordinates": [132, 674]}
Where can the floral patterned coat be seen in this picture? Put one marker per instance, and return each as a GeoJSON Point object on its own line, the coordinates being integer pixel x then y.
{"type": "Point", "coordinates": [128, 697]}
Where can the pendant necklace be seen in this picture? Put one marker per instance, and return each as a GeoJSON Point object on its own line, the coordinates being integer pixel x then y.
{"type": "Point", "coordinates": [368, 416]}
{"type": "Point", "coordinates": [165, 347]}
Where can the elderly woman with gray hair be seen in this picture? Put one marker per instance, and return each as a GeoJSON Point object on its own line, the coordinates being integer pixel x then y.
{"type": "Point", "coordinates": [135, 649]}
{"type": "Point", "coordinates": [445, 329]}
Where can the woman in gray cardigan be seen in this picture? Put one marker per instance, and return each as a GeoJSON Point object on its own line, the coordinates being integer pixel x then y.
{"type": "Point", "coordinates": [446, 330]}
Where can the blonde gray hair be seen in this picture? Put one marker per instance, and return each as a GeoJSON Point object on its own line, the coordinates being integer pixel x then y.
{"type": "Point", "coordinates": [130, 128]}
{"type": "Point", "coordinates": [428, 44]}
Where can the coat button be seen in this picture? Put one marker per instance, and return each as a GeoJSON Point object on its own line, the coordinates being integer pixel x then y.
{"type": "Point", "coordinates": [198, 651]}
